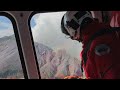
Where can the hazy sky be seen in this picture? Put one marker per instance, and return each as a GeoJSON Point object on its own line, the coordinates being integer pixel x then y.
{"type": "Point", "coordinates": [6, 28]}
{"type": "Point", "coordinates": [46, 30]}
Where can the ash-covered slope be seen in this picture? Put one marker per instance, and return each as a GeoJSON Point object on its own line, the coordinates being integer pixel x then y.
{"type": "Point", "coordinates": [52, 64]}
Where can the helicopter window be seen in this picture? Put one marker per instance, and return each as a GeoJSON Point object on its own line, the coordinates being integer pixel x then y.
{"type": "Point", "coordinates": [57, 55]}
{"type": "Point", "coordinates": [10, 65]}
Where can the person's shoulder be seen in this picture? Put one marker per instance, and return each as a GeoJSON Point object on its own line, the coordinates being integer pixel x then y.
{"type": "Point", "coordinates": [102, 39]}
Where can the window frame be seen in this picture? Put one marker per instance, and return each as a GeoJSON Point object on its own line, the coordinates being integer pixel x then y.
{"type": "Point", "coordinates": [29, 20]}
{"type": "Point", "coordinates": [15, 30]}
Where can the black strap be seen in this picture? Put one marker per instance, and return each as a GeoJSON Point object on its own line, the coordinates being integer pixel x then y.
{"type": "Point", "coordinates": [97, 34]}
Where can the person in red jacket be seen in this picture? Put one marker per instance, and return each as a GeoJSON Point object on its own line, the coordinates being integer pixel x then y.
{"type": "Point", "coordinates": [103, 60]}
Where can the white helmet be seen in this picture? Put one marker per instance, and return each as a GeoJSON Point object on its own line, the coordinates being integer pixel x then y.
{"type": "Point", "coordinates": [73, 21]}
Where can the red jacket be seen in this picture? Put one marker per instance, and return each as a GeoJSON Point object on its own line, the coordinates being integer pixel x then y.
{"type": "Point", "coordinates": [104, 54]}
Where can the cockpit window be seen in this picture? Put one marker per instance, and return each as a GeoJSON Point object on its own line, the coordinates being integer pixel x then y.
{"type": "Point", "coordinates": [10, 65]}
{"type": "Point", "coordinates": [57, 55]}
